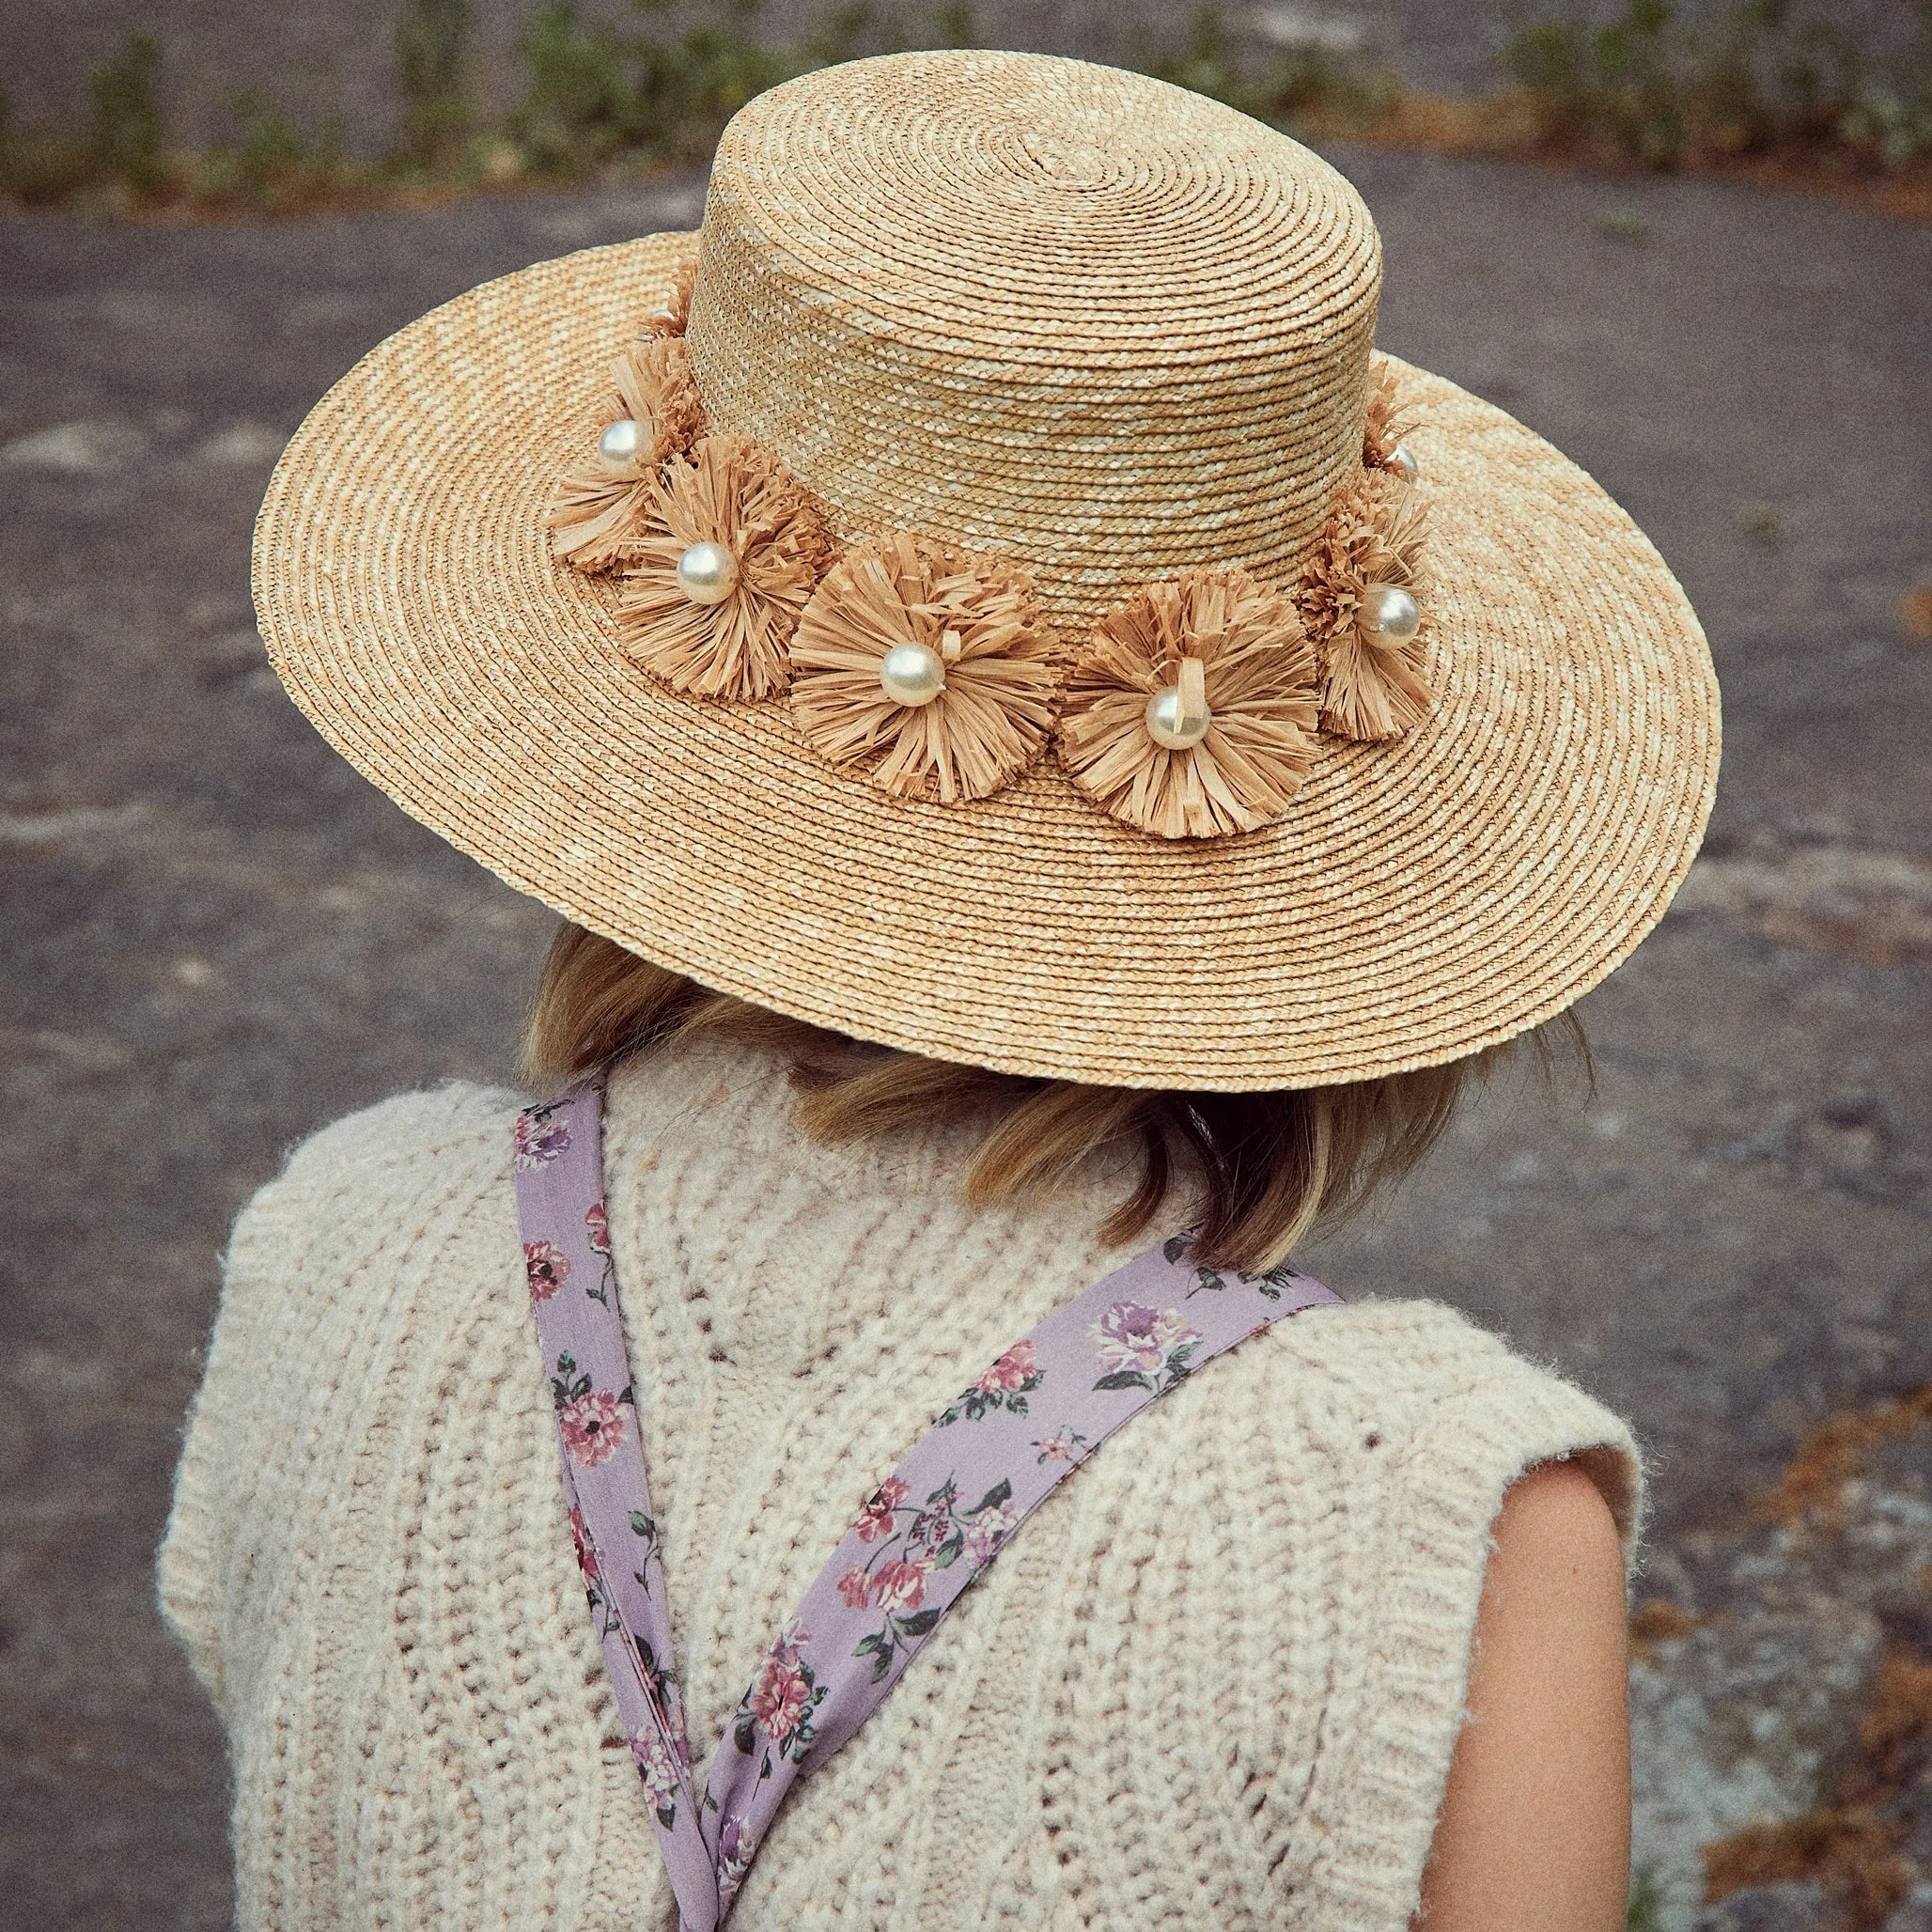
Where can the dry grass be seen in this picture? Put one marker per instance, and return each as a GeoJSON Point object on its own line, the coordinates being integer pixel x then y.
{"type": "Point", "coordinates": [1837, 1449]}
{"type": "Point", "coordinates": [1657, 1620]}
{"type": "Point", "coordinates": [1850, 1852]}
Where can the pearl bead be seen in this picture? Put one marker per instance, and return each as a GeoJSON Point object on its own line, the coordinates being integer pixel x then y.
{"type": "Point", "coordinates": [707, 573]}
{"type": "Point", "coordinates": [911, 674]}
{"type": "Point", "coordinates": [618, 443]}
{"type": "Point", "coordinates": [1403, 463]}
{"type": "Point", "coordinates": [1390, 613]}
{"type": "Point", "coordinates": [1169, 725]}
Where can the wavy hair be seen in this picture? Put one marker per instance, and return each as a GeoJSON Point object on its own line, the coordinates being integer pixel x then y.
{"type": "Point", "coordinates": [1257, 1170]}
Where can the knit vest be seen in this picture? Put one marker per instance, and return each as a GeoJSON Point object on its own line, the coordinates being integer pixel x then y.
{"type": "Point", "coordinates": [1216, 1679]}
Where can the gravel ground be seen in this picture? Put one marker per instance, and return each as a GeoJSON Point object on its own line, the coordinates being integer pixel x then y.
{"type": "Point", "coordinates": [216, 938]}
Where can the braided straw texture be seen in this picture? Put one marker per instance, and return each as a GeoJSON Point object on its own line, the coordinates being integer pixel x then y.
{"type": "Point", "coordinates": [1092, 322]}
{"type": "Point", "coordinates": [1418, 899]}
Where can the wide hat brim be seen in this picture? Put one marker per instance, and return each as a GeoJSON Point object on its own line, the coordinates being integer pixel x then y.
{"type": "Point", "coordinates": [1419, 901]}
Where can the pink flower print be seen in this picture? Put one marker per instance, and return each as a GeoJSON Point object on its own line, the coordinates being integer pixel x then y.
{"type": "Point", "coordinates": [548, 1268]}
{"type": "Point", "coordinates": [930, 1528]}
{"type": "Point", "coordinates": [656, 1766]}
{"type": "Point", "coordinates": [592, 1426]}
{"type": "Point", "coordinates": [540, 1138]}
{"type": "Point", "coordinates": [987, 1531]}
{"type": "Point", "coordinates": [1132, 1339]}
{"type": "Point", "coordinates": [899, 1586]}
{"type": "Point", "coordinates": [853, 1587]}
{"type": "Point", "coordinates": [597, 1225]}
{"type": "Point", "coordinates": [781, 1696]}
{"type": "Point", "coordinates": [734, 1858]}
{"type": "Point", "coordinates": [875, 1520]}
{"type": "Point", "coordinates": [586, 1549]}
{"type": "Point", "coordinates": [1065, 1445]}
{"type": "Point", "coordinates": [1011, 1372]}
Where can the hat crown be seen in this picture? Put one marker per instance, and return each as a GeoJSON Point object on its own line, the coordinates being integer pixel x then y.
{"type": "Point", "coordinates": [1077, 317]}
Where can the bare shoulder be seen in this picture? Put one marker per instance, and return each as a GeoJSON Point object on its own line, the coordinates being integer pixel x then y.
{"type": "Point", "coordinates": [1555, 1527]}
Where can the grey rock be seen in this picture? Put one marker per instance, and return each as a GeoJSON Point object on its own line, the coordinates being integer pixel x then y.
{"type": "Point", "coordinates": [1915, 1914]}
{"type": "Point", "coordinates": [1771, 1909]}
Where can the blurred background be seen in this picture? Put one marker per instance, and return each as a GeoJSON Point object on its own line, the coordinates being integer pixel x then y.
{"type": "Point", "coordinates": [1692, 246]}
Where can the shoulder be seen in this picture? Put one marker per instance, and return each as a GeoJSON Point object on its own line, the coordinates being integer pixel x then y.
{"type": "Point", "coordinates": [1443, 1410]}
{"type": "Point", "coordinates": [381, 1175]}
{"type": "Point", "coordinates": [403, 1213]}
{"type": "Point", "coordinates": [459, 1131]}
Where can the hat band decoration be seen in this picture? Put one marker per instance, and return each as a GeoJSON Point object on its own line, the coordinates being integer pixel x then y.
{"type": "Point", "coordinates": [1193, 709]}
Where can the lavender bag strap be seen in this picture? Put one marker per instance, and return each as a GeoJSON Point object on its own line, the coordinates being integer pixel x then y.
{"type": "Point", "coordinates": [922, 1538]}
{"type": "Point", "coordinates": [580, 1329]}
{"type": "Point", "coordinates": [933, 1526]}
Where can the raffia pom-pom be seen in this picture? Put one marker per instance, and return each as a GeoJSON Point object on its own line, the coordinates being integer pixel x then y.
{"type": "Point", "coordinates": [1374, 683]}
{"type": "Point", "coordinates": [602, 505]}
{"type": "Point", "coordinates": [1385, 422]}
{"type": "Point", "coordinates": [930, 671]}
{"type": "Point", "coordinates": [669, 316]}
{"type": "Point", "coordinates": [1193, 710]}
{"type": "Point", "coordinates": [731, 551]}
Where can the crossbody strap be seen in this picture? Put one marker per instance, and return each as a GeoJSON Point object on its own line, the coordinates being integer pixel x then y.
{"type": "Point", "coordinates": [919, 1542]}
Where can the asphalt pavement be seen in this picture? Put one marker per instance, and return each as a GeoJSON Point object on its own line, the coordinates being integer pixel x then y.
{"type": "Point", "coordinates": [215, 937]}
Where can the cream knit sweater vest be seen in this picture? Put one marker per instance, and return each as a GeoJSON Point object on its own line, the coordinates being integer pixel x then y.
{"type": "Point", "coordinates": [1215, 1681]}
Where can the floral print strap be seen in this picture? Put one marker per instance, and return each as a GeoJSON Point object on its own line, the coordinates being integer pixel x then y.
{"type": "Point", "coordinates": [921, 1538]}
{"type": "Point", "coordinates": [580, 1329]}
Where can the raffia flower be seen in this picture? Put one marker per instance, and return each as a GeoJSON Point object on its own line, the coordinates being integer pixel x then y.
{"type": "Point", "coordinates": [1232, 649]}
{"type": "Point", "coordinates": [733, 494]}
{"type": "Point", "coordinates": [931, 671]}
{"type": "Point", "coordinates": [669, 316]}
{"type": "Point", "coordinates": [1385, 422]}
{"type": "Point", "coordinates": [1374, 687]}
{"type": "Point", "coordinates": [601, 504]}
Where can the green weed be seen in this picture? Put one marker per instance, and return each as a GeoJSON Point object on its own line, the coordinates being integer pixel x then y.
{"type": "Point", "coordinates": [593, 93]}
{"type": "Point", "coordinates": [127, 137]}
{"type": "Point", "coordinates": [269, 164]}
{"type": "Point", "coordinates": [1761, 78]}
{"type": "Point", "coordinates": [432, 63]}
{"type": "Point", "coordinates": [597, 94]}
{"type": "Point", "coordinates": [1309, 90]}
{"type": "Point", "coordinates": [1645, 1911]}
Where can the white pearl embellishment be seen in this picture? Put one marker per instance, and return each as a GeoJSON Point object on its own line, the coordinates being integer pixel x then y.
{"type": "Point", "coordinates": [1389, 613]}
{"type": "Point", "coordinates": [618, 443]}
{"type": "Point", "coordinates": [707, 573]}
{"type": "Point", "coordinates": [1403, 463]}
{"type": "Point", "coordinates": [1170, 724]}
{"type": "Point", "coordinates": [911, 674]}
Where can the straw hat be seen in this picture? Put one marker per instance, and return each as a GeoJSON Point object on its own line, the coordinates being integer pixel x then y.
{"type": "Point", "coordinates": [1100, 347]}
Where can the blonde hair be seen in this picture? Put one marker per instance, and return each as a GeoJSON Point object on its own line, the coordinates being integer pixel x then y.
{"type": "Point", "coordinates": [1262, 1168]}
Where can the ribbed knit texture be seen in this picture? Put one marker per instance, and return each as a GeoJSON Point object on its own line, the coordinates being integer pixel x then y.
{"type": "Point", "coordinates": [1216, 1680]}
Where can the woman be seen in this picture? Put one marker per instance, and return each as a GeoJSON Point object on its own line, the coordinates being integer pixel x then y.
{"type": "Point", "coordinates": [1045, 747]}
